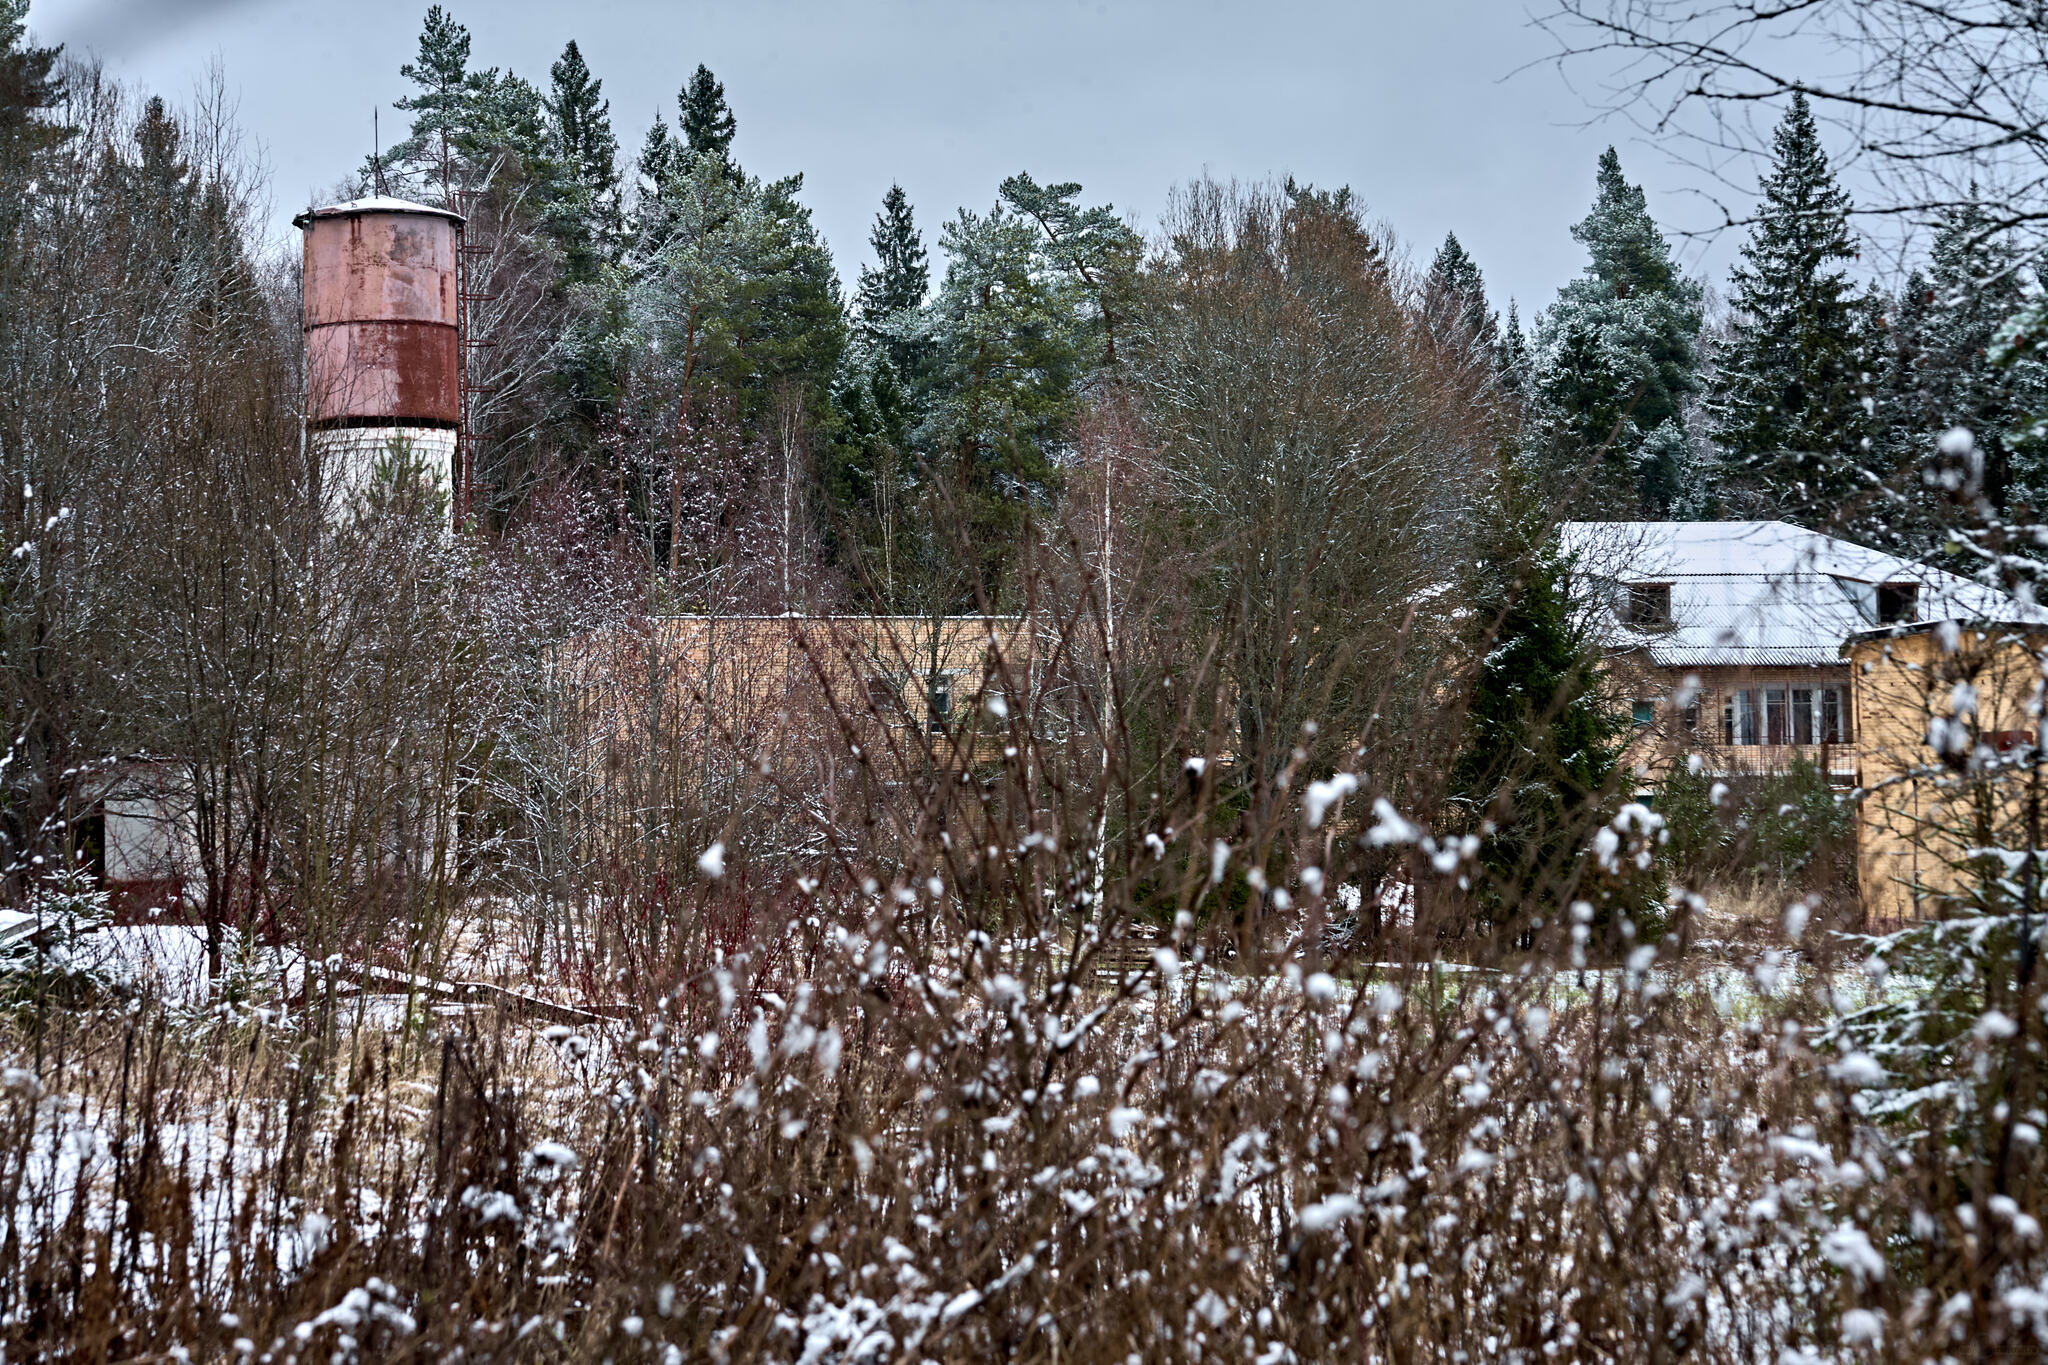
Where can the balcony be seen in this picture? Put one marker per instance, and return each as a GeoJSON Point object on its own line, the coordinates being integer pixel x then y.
{"type": "Point", "coordinates": [1838, 761]}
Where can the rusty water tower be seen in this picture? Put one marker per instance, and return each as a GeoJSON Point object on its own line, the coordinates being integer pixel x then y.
{"type": "Point", "coordinates": [383, 342]}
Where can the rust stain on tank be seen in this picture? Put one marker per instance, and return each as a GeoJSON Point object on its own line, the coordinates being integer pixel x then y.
{"type": "Point", "coordinates": [380, 301]}
{"type": "Point", "coordinates": [404, 371]}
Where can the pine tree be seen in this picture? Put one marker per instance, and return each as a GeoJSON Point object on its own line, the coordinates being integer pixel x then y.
{"type": "Point", "coordinates": [507, 113]}
{"type": "Point", "coordinates": [472, 128]}
{"type": "Point", "coordinates": [1096, 250]}
{"type": "Point", "coordinates": [707, 123]}
{"type": "Point", "coordinates": [1455, 286]}
{"type": "Point", "coordinates": [1788, 401]}
{"type": "Point", "coordinates": [1010, 352]}
{"type": "Point", "coordinates": [1616, 360]}
{"type": "Point", "coordinates": [441, 108]}
{"type": "Point", "coordinates": [1031, 305]}
{"type": "Point", "coordinates": [582, 124]}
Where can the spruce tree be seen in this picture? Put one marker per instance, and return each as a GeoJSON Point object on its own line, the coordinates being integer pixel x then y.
{"type": "Point", "coordinates": [870, 471]}
{"type": "Point", "coordinates": [869, 480]}
{"type": "Point", "coordinates": [791, 324]}
{"type": "Point", "coordinates": [1788, 401]}
{"type": "Point", "coordinates": [581, 119]}
{"type": "Point", "coordinates": [1541, 745]}
{"type": "Point", "coordinates": [901, 277]}
{"type": "Point", "coordinates": [1514, 359]}
{"type": "Point", "coordinates": [1454, 285]}
{"type": "Point", "coordinates": [657, 160]}
{"type": "Point", "coordinates": [1617, 362]}
{"type": "Point", "coordinates": [28, 88]}
{"type": "Point", "coordinates": [889, 299]}
{"type": "Point", "coordinates": [706, 129]}
{"type": "Point", "coordinates": [660, 154]}
{"type": "Point", "coordinates": [707, 123]}
{"type": "Point", "coordinates": [1945, 369]}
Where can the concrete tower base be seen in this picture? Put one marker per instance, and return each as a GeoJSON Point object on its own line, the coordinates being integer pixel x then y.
{"type": "Point", "coordinates": [363, 467]}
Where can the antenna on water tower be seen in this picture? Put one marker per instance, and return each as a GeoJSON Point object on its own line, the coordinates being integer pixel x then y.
{"type": "Point", "coordinates": [376, 154]}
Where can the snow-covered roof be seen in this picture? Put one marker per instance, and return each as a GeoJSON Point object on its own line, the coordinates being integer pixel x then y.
{"type": "Point", "coordinates": [1748, 594]}
{"type": "Point", "coordinates": [375, 203]}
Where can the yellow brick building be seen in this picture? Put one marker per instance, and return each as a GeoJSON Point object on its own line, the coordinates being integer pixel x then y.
{"type": "Point", "coordinates": [1724, 638]}
{"type": "Point", "coordinates": [1949, 716]}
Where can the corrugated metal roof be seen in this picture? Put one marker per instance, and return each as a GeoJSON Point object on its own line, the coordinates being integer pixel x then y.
{"type": "Point", "coordinates": [1756, 593]}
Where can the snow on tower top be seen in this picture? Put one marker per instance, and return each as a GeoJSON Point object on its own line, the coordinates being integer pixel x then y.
{"type": "Point", "coordinates": [375, 203]}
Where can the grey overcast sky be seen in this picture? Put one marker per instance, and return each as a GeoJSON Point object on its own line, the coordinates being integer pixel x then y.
{"type": "Point", "coordinates": [1413, 103]}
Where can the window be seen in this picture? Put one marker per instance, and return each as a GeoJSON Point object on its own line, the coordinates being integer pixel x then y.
{"type": "Point", "coordinates": [939, 703]}
{"type": "Point", "coordinates": [89, 843]}
{"type": "Point", "coordinates": [1817, 715]}
{"type": "Point", "coordinates": [1897, 602]}
{"type": "Point", "coordinates": [1774, 716]}
{"type": "Point", "coordinates": [1738, 718]}
{"type": "Point", "coordinates": [1645, 713]}
{"type": "Point", "coordinates": [883, 697]}
{"type": "Point", "coordinates": [1649, 605]}
{"type": "Point", "coordinates": [2006, 741]}
{"type": "Point", "coordinates": [1784, 715]}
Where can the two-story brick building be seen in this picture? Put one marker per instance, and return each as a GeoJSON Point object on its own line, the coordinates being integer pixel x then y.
{"type": "Point", "coordinates": [1728, 635]}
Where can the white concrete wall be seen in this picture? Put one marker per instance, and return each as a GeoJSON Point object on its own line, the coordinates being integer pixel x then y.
{"type": "Point", "coordinates": [150, 835]}
{"type": "Point", "coordinates": [348, 460]}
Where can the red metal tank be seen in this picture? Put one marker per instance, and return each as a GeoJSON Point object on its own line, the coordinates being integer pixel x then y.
{"type": "Point", "coordinates": [381, 323]}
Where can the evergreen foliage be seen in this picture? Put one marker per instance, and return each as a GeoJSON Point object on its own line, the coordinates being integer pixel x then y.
{"type": "Point", "coordinates": [1026, 311]}
{"type": "Point", "coordinates": [656, 162]}
{"type": "Point", "coordinates": [1788, 401]}
{"type": "Point", "coordinates": [29, 87]}
{"type": "Point", "coordinates": [870, 476]}
{"type": "Point", "coordinates": [1454, 285]}
{"type": "Point", "coordinates": [1616, 360]}
{"type": "Point", "coordinates": [1541, 744]}
{"type": "Point", "coordinates": [901, 276]}
{"type": "Point", "coordinates": [1685, 797]}
{"type": "Point", "coordinates": [1095, 250]}
{"type": "Point", "coordinates": [582, 127]}
{"type": "Point", "coordinates": [707, 123]}
{"type": "Point", "coordinates": [793, 324]}
{"type": "Point", "coordinates": [61, 962]}
{"type": "Point", "coordinates": [441, 106]}
{"type": "Point", "coordinates": [892, 292]}
{"type": "Point", "coordinates": [1944, 367]}
{"type": "Point", "coordinates": [1516, 360]}
{"type": "Point", "coordinates": [1794, 819]}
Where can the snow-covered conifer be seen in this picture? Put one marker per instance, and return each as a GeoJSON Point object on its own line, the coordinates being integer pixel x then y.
{"type": "Point", "coordinates": [1788, 397]}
